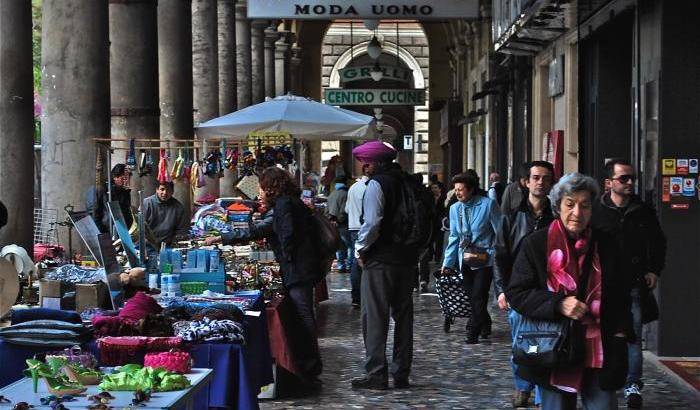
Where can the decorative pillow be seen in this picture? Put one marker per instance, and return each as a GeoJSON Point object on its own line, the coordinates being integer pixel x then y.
{"type": "Point", "coordinates": [25, 315]}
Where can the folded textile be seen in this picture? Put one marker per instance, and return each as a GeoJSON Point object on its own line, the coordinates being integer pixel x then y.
{"type": "Point", "coordinates": [76, 274]}
{"type": "Point", "coordinates": [208, 330]}
{"type": "Point", "coordinates": [134, 377]}
{"type": "Point", "coordinates": [139, 306]}
{"type": "Point", "coordinates": [180, 309]}
{"type": "Point", "coordinates": [46, 332]}
{"type": "Point", "coordinates": [116, 351]}
{"type": "Point", "coordinates": [25, 315]}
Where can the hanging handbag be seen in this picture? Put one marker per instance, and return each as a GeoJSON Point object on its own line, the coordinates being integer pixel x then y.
{"type": "Point", "coordinates": [553, 343]}
{"type": "Point", "coordinates": [473, 256]}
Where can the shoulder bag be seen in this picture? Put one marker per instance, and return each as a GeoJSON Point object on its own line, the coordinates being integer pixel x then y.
{"type": "Point", "coordinates": [473, 256]}
{"type": "Point", "coordinates": [553, 343]}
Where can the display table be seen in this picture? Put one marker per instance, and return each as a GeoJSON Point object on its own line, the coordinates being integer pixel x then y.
{"type": "Point", "coordinates": [22, 390]}
{"type": "Point", "coordinates": [281, 320]}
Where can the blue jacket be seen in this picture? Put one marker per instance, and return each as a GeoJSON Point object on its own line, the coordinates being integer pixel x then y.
{"type": "Point", "coordinates": [483, 217]}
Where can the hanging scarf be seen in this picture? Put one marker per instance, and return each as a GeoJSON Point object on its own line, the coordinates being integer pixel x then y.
{"type": "Point", "coordinates": [163, 175]}
{"type": "Point", "coordinates": [564, 265]}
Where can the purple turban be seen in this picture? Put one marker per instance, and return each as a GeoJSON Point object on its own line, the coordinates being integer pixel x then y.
{"type": "Point", "coordinates": [374, 151]}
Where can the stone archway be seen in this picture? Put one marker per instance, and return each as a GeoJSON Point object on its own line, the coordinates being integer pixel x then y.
{"type": "Point", "coordinates": [387, 48]}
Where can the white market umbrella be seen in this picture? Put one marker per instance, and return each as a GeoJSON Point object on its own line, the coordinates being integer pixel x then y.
{"type": "Point", "coordinates": [301, 117]}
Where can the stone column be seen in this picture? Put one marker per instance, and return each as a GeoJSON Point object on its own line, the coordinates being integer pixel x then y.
{"type": "Point", "coordinates": [228, 101]}
{"type": "Point", "coordinates": [295, 70]}
{"type": "Point", "coordinates": [271, 35]}
{"type": "Point", "coordinates": [227, 57]}
{"type": "Point", "coordinates": [175, 80]}
{"type": "Point", "coordinates": [281, 50]}
{"type": "Point", "coordinates": [133, 36]}
{"type": "Point", "coordinates": [243, 63]}
{"type": "Point", "coordinates": [257, 43]}
{"type": "Point", "coordinates": [16, 123]}
{"type": "Point", "coordinates": [205, 71]}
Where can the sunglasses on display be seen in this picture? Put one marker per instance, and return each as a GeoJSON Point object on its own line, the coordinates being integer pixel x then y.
{"type": "Point", "coordinates": [625, 178]}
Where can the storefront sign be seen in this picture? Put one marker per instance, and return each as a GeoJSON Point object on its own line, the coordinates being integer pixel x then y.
{"type": "Point", "coordinates": [689, 187]}
{"type": "Point", "coordinates": [668, 166]}
{"type": "Point", "coordinates": [350, 74]}
{"type": "Point", "coordinates": [693, 166]}
{"type": "Point", "coordinates": [682, 166]}
{"type": "Point", "coordinates": [408, 142]}
{"type": "Point", "coordinates": [676, 186]}
{"type": "Point", "coordinates": [363, 9]}
{"type": "Point", "coordinates": [378, 96]}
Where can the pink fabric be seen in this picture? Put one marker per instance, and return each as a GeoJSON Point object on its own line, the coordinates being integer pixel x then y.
{"type": "Point", "coordinates": [177, 362]}
{"type": "Point", "coordinates": [564, 265]}
{"type": "Point", "coordinates": [139, 306]}
{"type": "Point", "coordinates": [374, 151]}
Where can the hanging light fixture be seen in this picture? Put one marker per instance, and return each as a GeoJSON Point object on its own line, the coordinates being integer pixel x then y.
{"type": "Point", "coordinates": [376, 72]}
{"type": "Point", "coordinates": [378, 113]}
{"type": "Point", "coordinates": [371, 24]}
{"type": "Point", "coordinates": [374, 49]}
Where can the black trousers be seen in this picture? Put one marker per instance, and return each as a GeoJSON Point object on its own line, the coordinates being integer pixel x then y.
{"type": "Point", "coordinates": [302, 296]}
{"type": "Point", "coordinates": [477, 283]}
{"type": "Point", "coordinates": [387, 290]}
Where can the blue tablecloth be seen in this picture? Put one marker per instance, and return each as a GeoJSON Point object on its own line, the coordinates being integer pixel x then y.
{"type": "Point", "coordinates": [239, 371]}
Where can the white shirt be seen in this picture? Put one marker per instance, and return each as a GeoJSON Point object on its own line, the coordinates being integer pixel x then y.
{"type": "Point", "coordinates": [353, 206]}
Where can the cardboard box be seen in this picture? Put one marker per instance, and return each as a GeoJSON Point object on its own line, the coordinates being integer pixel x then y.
{"type": "Point", "coordinates": [91, 296]}
{"type": "Point", "coordinates": [50, 294]}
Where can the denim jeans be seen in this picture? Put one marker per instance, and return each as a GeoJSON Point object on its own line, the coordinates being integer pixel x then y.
{"type": "Point", "coordinates": [634, 352]}
{"type": "Point", "coordinates": [521, 384]}
{"type": "Point", "coordinates": [592, 396]}
{"type": "Point", "coordinates": [355, 269]}
{"type": "Point", "coordinates": [344, 255]}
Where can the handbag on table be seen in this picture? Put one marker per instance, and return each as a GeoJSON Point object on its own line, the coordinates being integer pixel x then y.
{"type": "Point", "coordinates": [175, 361]}
{"type": "Point", "coordinates": [553, 343]}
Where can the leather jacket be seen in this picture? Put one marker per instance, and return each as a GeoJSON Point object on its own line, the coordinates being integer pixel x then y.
{"type": "Point", "coordinates": [514, 228]}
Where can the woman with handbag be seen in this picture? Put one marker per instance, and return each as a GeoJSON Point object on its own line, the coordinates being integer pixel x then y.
{"type": "Point", "coordinates": [474, 222]}
{"type": "Point", "coordinates": [575, 305]}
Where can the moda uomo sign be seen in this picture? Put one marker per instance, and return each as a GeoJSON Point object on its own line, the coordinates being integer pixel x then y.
{"type": "Point", "coordinates": [339, 96]}
{"type": "Point", "coordinates": [365, 9]}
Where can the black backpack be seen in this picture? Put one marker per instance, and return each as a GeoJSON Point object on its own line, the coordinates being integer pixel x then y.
{"type": "Point", "coordinates": [413, 220]}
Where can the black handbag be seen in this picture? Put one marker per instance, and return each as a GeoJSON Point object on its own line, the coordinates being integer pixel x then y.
{"type": "Point", "coordinates": [553, 343]}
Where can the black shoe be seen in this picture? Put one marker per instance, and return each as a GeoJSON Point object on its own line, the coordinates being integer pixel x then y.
{"type": "Point", "coordinates": [401, 383]}
{"type": "Point", "coordinates": [424, 287]}
{"type": "Point", "coordinates": [633, 395]}
{"type": "Point", "coordinates": [366, 383]}
{"type": "Point", "coordinates": [471, 340]}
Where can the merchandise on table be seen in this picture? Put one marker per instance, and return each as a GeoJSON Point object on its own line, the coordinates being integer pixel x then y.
{"type": "Point", "coordinates": [173, 361]}
{"type": "Point", "coordinates": [133, 377]}
{"type": "Point", "coordinates": [208, 330]}
{"type": "Point", "coordinates": [76, 274]}
{"type": "Point", "coordinates": [57, 383]}
{"type": "Point", "coordinates": [46, 333]}
{"type": "Point", "coordinates": [116, 351]}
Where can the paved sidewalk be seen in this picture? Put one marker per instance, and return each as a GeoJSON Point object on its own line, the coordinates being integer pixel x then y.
{"type": "Point", "coordinates": [447, 374]}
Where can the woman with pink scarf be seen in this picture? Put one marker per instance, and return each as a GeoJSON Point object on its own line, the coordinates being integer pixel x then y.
{"type": "Point", "coordinates": [544, 286]}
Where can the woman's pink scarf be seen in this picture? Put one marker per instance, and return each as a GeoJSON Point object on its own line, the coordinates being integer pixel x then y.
{"type": "Point", "coordinates": [564, 264]}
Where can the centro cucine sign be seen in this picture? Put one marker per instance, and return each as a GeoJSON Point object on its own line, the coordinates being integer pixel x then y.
{"type": "Point", "coordinates": [363, 9]}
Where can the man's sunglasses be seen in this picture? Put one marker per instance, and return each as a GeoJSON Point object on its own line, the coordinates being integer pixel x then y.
{"type": "Point", "coordinates": [625, 178]}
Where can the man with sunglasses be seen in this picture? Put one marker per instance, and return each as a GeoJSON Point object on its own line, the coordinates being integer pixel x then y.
{"type": "Point", "coordinates": [642, 246]}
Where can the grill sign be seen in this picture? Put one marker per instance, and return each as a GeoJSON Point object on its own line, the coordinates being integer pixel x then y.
{"type": "Point", "coordinates": [365, 9]}
{"type": "Point", "coordinates": [349, 74]}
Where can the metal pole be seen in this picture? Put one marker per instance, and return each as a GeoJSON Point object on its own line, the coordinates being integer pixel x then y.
{"type": "Point", "coordinates": [109, 187]}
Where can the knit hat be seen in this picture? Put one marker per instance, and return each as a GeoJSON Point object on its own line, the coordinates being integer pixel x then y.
{"type": "Point", "coordinates": [374, 151]}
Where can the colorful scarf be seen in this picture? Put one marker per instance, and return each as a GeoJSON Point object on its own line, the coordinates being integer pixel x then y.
{"type": "Point", "coordinates": [564, 265]}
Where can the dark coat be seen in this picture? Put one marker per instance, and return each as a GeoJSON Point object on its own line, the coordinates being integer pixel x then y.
{"type": "Point", "coordinates": [295, 242]}
{"type": "Point", "coordinates": [637, 233]}
{"type": "Point", "coordinates": [514, 229]}
{"type": "Point", "coordinates": [528, 294]}
{"type": "Point", "coordinates": [96, 205]}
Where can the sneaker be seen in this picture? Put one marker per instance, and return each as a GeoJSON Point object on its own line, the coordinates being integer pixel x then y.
{"type": "Point", "coordinates": [424, 286]}
{"type": "Point", "coordinates": [633, 395]}
{"type": "Point", "coordinates": [521, 399]}
{"type": "Point", "coordinates": [367, 383]}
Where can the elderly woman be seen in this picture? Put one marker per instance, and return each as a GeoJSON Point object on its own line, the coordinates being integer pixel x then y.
{"type": "Point", "coordinates": [474, 221]}
{"type": "Point", "coordinates": [544, 286]}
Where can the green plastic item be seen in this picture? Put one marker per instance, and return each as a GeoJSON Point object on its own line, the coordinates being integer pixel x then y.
{"type": "Point", "coordinates": [193, 288]}
{"type": "Point", "coordinates": [132, 377]}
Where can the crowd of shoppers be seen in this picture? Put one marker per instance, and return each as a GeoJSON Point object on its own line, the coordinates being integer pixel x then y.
{"type": "Point", "coordinates": [556, 251]}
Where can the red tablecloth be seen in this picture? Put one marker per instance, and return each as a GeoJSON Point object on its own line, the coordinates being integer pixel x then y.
{"type": "Point", "coordinates": [280, 317]}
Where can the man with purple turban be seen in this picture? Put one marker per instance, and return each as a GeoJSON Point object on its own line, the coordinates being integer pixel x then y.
{"type": "Point", "coordinates": [388, 271]}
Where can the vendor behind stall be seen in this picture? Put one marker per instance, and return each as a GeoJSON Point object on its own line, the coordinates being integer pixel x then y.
{"type": "Point", "coordinates": [97, 199]}
{"type": "Point", "coordinates": [165, 215]}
